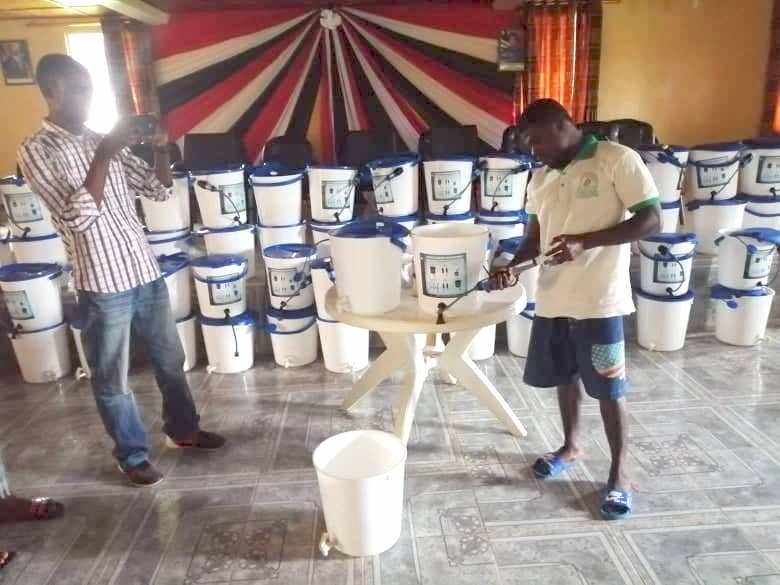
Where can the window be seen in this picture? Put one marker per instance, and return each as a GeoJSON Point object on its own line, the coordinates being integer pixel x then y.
{"type": "Point", "coordinates": [85, 45]}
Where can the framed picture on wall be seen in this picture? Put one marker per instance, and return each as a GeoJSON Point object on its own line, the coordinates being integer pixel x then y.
{"type": "Point", "coordinates": [16, 63]}
{"type": "Point", "coordinates": [511, 49]}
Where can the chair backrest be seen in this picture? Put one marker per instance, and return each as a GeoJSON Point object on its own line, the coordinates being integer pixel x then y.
{"type": "Point", "coordinates": [424, 147]}
{"type": "Point", "coordinates": [363, 146]}
{"type": "Point", "coordinates": [599, 128]}
{"type": "Point", "coordinates": [632, 133]}
{"type": "Point", "coordinates": [454, 140]}
{"type": "Point", "coordinates": [205, 151]}
{"type": "Point", "coordinates": [292, 152]}
{"type": "Point", "coordinates": [513, 142]}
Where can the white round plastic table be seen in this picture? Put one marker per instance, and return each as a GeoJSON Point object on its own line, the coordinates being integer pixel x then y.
{"type": "Point", "coordinates": [404, 332]}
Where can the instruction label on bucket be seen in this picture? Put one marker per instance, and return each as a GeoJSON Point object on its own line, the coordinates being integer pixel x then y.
{"type": "Point", "coordinates": [24, 207]}
{"type": "Point", "coordinates": [232, 199]}
{"type": "Point", "coordinates": [498, 183]}
{"type": "Point", "coordinates": [714, 174]}
{"type": "Point", "coordinates": [383, 193]}
{"type": "Point", "coordinates": [759, 265]}
{"type": "Point", "coordinates": [768, 169]}
{"type": "Point", "coordinates": [224, 293]}
{"type": "Point", "coordinates": [18, 305]}
{"type": "Point", "coordinates": [446, 185]}
{"type": "Point", "coordinates": [444, 275]}
{"type": "Point", "coordinates": [665, 272]}
{"type": "Point", "coordinates": [335, 194]}
{"type": "Point", "coordinates": [283, 282]}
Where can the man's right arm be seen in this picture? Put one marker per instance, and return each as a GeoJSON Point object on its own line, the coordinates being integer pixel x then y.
{"type": "Point", "coordinates": [530, 247]}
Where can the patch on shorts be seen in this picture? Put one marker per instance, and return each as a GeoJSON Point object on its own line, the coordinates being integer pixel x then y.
{"type": "Point", "coordinates": [609, 360]}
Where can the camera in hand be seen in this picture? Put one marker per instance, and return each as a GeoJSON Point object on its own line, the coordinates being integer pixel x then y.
{"type": "Point", "coordinates": [145, 125]}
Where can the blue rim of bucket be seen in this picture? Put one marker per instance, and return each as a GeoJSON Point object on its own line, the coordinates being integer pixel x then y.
{"type": "Point", "coordinates": [759, 198]}
{"type": "Point", "coordinates": [488, 214]}
{"type": "Point", "coordinates": [390, 162]}
{"type": "Point", "coordinates": [23, 239]}
{"type": "Point", "coordinates": [515, 156]}
{"type": "Point", "coordinates": [28, 271]}
{"type": "Point", "coordinates": [274, 227]}
{"type": "Point", "coordinates": [453, 217]}
{"type": "Point", "coordinates": [246, 318]}
{"type": "Point", "coordinates": [660, 148]}
{"type": "Point", "coordinates": [720, 146]}
{"type": "Point", "coordinates": [723, 293]}
{"type": "Point", "coordinates": [529, 308]}
{"type": "Point", "coordinates": [510, 245]}
{"type": "Point", "coordinates": [694, 205]}
{"type": "Point", "coordinates": [172, 263]}
{"type": "Point", "coordinates": [518, 221]}
{"type": "Point", "coordinates": [372, 229]}
{"type": "Point", "coordinates": [454, 158]}
{"type": "Point", "coordinates": [290, 251]}
{"type": "Point", "coordinates": [665, 298]}
{"type": "Point", "coordinates": [13, 180]}
{"type": "Point", "coordinates": [19, 331]}
{"type": "Point", "coordinates": [762, 142]}
{"type": "Point", "coordinates": [672, 238]}
{"type": "Point", "coordinates": [330, 168]}
{"type": "Point", "coordinates": [285, 314]}
{"type": "Point", "coordinates": [220, 170]}
{"type": "Point", "coordinates": [189, 317]}
{"type": "Point", "coordinates": [400, 218]}
{"type": "Point", "coordinates": [761, 234]}
{"type": "Point", "coordinates": [218, 261]}
{"type": "Point", "coordinates": [671, 204]}
{"type": "Point", "coordinates": [322, 264]}
{"type": "Point", "coordinates": [149, 232]}
{"type": "Point", "coordinates": [233, 228]}
{"type": "Point", "coordinates": [320, 226]}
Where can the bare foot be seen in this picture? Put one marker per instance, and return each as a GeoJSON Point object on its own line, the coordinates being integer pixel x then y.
{"type": "Point", "coordinates": [569, 454]}
{"type": "Point", "coordinates": [5, 558]}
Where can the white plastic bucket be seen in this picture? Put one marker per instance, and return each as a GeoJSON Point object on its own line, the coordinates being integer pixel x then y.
{"type": "Point", "coordinates": [6, 253]}
{"type": "Point", "coordinates": [745, 257]}
{"type": "Point", "coordinates": [361, 479]}
{"type": "Point", "coordinates": [221, 195]}
{"type": "Point", "coordinates": [662, 321]}
{"type": "Point", "coordinates": [320, 236]}
{"type": "Point", "coordinates": [670, 216]}
{"type": "Point", "coordinates": [220, 282]}
{"type": "Point", "coordinates": [37, 249]}
{"type": "Point", "coordinates": [27, 213]}
{"type": "Point", "coordinates": [760, 174]}
{"type": "Point", "coordinates": [528, 279]}
{"type": "Point", "coordinates": [741, 316]}
{"type": "Point", "coordinates": [367, 259]}
{"type": "Point", "coordinates": [709, 218]}
{"type": "Point", "coordinates": [396, 182]}
{"type": "Point", "coordinates": [230, 343]}
{"type": "Point", "coordinates": [178, 279]}
{"type": "Point", "coordinates": [518, 331]}
{"type": "Point", "coordinates": [278, 194]}
{"type": "Point", "coordinates": [287, 234]}
{"type": "Point", "coordinates": [448, 262]}
{"type": "Point", "coordinates": [467, 217]}
{"type": "Point", "coordinates": [503, 225]}
{"type": "Point", "coordinates": [43, 355]}
{"type": "Point", "coordinates": [288, 271]}
{"type": "Point", "coordinates": [76, 328]}
{"type": "Point", "coordinates": [294, 337]}
{"type": "Point", "coordinates": [762, 212]}
{"type": "Point", "coordinates": [503, 180]}
{"type": "Point", "coordinates": [665, 264]}
{"type": "Point", "coordinates": [344, 348]}
{"type": "Point", "coordinates": [713, 171]}
{"type": "Point", "coordinates": [239, 239]}
{"type": "Point", "coordinates": [408, 221]}
{"type": "Point", "coordinates": [322, 279]}
{"type": "Point", "coordinates": [188, 335]}
{"type": "Point", "coordinates": [173, 213]}
{"type": "Point", "coordinates": [448, 185]}
{"type": "Point", "coordinates": [667, 167]}
{"type": "Point", "coordinates": [332, 193]}
{"type": "Point", "coordinates": [484, 345]}
{"type": "Point", "coordinates": [32, 295]}
{"type": "Point", "coordinates": [170, 243]}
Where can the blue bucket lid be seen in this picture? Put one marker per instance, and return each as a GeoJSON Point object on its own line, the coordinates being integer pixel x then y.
{"type": "Point", "coordinates": [218, 261]}
{"type": "Point", "coordinates": [452, 217]}
{"type": "Point", "coordinates": [489, 214]}
{"type": "Point", "coordinates": [511, 245]}
{"type": "Point", "coordinates": [530, 307]}
{"type": "Point", "coordinates": [33, 238]}
{"type": "Point", "coordinates": [761, 234]}
{"type": "Point", "coordinates": [27, 271]}
{"type": "Point", "coordinates": [247, 318]}
{"type": "Point", "coordinates": [762, 142]}
{"type": "Point", "coordinates": [672, 238]}
{"type": "Point", "coordinates": [694, 205]}
{"type": "Point", "coordinates": [218, 170]}
{"type": "Point", "coordinates": [390, 162]}
{"type": "Point", "coordinates": [723, 293]}
{"type": "Point", "coordinates": [321, 264]}
{"type": "Point", "coordinates": [233, 228]}
{"type": "Point", "coordinates": [720, 146]}
{"type": "Point", "coordinates": [173, 263]}
{"type": "Point", "coordinates": [322, 226]}
{"type": "Point", "coordinates": [282, 314]}
{"type": "Point", "coordinates": [665, 298]}
{"type": "Point", "coordinates": [373, 229]}
{"type": "Point", "coordinates": [671, 204]}
{"type": "Point", "coordinates": [274, 169]}
{"type": "Point", "coordinates": [12, 180]}
{"type": "Point", "coordinates": [400, 219]}
{"type": "Point", "coordinates": [760, 199]}
{"type": "Point", "coordinates": [660, 148]}
{"type": "Point", "coordinates": [288, 251]}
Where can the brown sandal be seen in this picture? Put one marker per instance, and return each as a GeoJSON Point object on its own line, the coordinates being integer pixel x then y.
{"type": "Point", "coordinates": [13, 509]}
{"type": "Point", "coordinates": [5, 558]}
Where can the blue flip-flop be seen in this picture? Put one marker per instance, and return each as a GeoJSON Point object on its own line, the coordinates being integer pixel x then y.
{"type": "Point", "coordinates": [616, 504]}
{"type": "Point", "coordinates": [549, 465]}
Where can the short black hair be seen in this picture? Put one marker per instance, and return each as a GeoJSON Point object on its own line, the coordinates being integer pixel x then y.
{"type": "Point", "coordinates": [52, 67]}
{"type": "Point", "coordinates": [542, 113]}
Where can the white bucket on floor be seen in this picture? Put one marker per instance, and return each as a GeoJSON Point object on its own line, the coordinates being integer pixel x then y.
{"type": "Point", "coordinates": [503, 180]}
{"type": "Point", "coordinates": [230, 343]}
{"type": "Point", "coordinates": [332, 193]}
{"type": "Point", "coordinates": [322, 279]}
{"type": "Point", "coordinates": [278, 194]}
{"type": "Point", "coordinates": [760, 174]}
{"type": "Point", "coordinates": [448, 262]}
{"type": "Point", "coordinates": [221, 194]}
{"type": "Point", "coordinates": [170, 243]}
{"type": "Point", "coordinates": [667, 167]}
{"type": "Point", "coordinates": [713, 171]}
{"type": "Point", "coordinates": [188, 335]}
{"type": "Point", "coordinates": [448, 185]}
{"type": "Point", "coordinates": [762, 212]}
{"type": "Point", "coordinates": [665, 263]}
{"type": "Point", "coordinates": [43, 355]}
{"type": "Point", "coordinates": [503, 225]}
{"type": "Point", "coordinates": [294, 336]}
{"type": "Point", "coordinates": [37, 249]}
{"type": "Point", "coordinates": [745, 257]}
{"type": "Point", "coordinates": [32, 295]}
{"type": "Point", "coordinates": [662, 321]}
{"type": "Point", "coordinates": [76, 328]}
{"type": "Point", "coordinates": [708, 218]}
{"type": "Point", "coordinates": [467, 217]}
{"type": "Point", "coordinates": [6, 253]}
{"type": "Point", "coordinates": [528, 279]}
{"type": "Point", "coordinates": [396, 181]}
{"type": "Point", "coordinates": [288, 271]}
{"type": "Point", "coordinates": [286, 234]}
{"type": "Point", "coordinates": [239, 239]}
{"type": "Point", "coordinates": [27, 213]}
{"type": "Point", "coordinates": [741, 316]}
{"type": "Point", "coordinates": [518, 331]}
{"type": "Point", "coordinates": [484, 345]}
{"type": "Point", "coordinates": [344, 348]}
{"type": "Point", "coordinates": [670, 216]}
{"type": "Point", "coordinates": [320, 236]}
{"type": "Point", "coordinates": [220, 282]}
{"type": "Point", "coordinates": [367, 259]}
{"type": "Point", "coordinates": [173, 213]}
{"type": "Point", "coordinates": [178, 279]}
{"type": "Point", "coordinates": [361, 479]}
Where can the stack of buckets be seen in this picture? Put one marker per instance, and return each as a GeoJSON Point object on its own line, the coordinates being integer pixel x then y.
{"type": "Point", "coordinates": [332, 199]}
{"type": "Point", "coordinates": [743, 297]}
{"type": "Point", "coordinates": [667, 166]}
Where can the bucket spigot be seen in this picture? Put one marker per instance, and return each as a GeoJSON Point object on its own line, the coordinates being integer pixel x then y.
{"type": "Point", "coordinates": [326, 543]}
{"type": "Point", "coordinates": [440, 308]}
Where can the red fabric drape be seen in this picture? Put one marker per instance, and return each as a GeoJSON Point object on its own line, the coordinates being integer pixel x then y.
{"type": "Point", "coordinates": [770, 123]}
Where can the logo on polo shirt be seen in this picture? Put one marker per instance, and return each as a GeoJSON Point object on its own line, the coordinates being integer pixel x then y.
{"type": "Point", "coordinates": [588, 187]}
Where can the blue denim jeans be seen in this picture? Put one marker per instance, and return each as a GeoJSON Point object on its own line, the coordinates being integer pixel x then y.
{"type": "Point", "coordinates": [109, 319]}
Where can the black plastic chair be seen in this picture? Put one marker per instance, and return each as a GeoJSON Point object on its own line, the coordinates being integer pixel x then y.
{"type": "Point", "coordinates": [600, 129]}
{"type": "Point", "coordinates": [632, 133]}
{"type": "Point", "coordinates": [207, 151]}
{"type": "Point", "coordinates": [293, 153]}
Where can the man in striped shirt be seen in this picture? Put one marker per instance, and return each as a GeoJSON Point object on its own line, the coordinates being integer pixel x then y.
{"type": "Point", "coordinates": [89, 183]}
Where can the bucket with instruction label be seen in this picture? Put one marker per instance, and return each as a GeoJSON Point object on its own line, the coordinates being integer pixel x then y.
{"type": "Point", "coordinates": [172, 213]}
{"type": "Point", "coordinates": [667, 167]}
{"type": "Point", "coordinates": [762, 212]}
{"type": "Point", "coordinates": [448, 184]}
{"type": "Point", "coordinates": [665, 263]}
{"type": "Point", "coordinates": [503, 225]}
{"type": "Point", "coordinates": [344, 348]}
{"type": "Point", "coordinates": [284, 234]}
{"type": "Point", "coordinates": [237, 239]}
{"type": "Point", "coordinates": [220, 283]}
{"type": "Point", "coordinates": [745, 257]}
{"type": "Point", "coordinates": [503, 180]}
{"type": "Point", "coordinates": [713, 171]}
{"type": "Point", "coordinates": [229, 342]}
{"type": "Point", "coordinates": [288, 271]}
{"type": "Point", "coordinates": [294, 336]}
{"type": "Point", "coordinates": [741, 316]}
{"type": "Point", "coordinates": [278, 194]}
{"type": "Point", "coordinates": [178, 280]}
{"type": "Point", "coordinates": [221, 195]}
{"type": "Point", "coordinates": [26, 211]}
{"type": "Point", "coordinates": [170, 242]}
{"type": "Point", "coordinates": [710, 218]}
{"type": "Point", "coordinates": [32, 295]}
{"type": "Point", "coordinates": [396, 184]}
{"type": "Point", "coordinates": [37, 249]}
{"type": "Point", "coordinates": [662, 320]}
{"type": "Point", "coordinates": [760, 174]}
{"type": "Point", "coordinates": [332, 193]}
{"type": "Point", "coordinates": [43, 355]}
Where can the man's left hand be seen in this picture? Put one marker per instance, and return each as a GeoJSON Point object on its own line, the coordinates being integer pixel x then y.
{"type": "Point", "coordinates": [565, 248]}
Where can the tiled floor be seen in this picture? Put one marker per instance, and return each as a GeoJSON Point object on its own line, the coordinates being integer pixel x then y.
{"type": "Point", "coordinates": [704, 453]}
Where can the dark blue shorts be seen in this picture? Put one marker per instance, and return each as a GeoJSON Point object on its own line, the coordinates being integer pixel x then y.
{"type": "Point", "coordinates": [564, 350]}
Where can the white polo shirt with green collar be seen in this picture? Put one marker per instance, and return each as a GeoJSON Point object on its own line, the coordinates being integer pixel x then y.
{"type": "Point", "coordinates": [599, 189]}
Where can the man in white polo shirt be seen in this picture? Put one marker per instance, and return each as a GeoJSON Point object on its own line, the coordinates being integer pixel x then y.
{"type": "Point", "coordinates": [585, 207]}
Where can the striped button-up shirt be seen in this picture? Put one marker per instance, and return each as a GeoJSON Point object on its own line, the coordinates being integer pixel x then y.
{"type": "Point", "coordinates": [105, 243]}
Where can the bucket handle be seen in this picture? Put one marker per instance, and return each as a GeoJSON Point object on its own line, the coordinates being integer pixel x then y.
{"type": "Point", "coordinates": [273, 329]}
{"type": "Point", "coordinates": [207, 186]}
{"type": "Point", "coordinates": [512, 172]}
{"type": "Point", "coordinates": [396, 172]}
{"type": "Point", "coordinates": [665, 254]}
{"type": "Point", "coordinates": [476, 173]}
{"type": "Point", "coordinates": [295, 179]}
{"type": "Point", "coordinates": [222, 280]}
{"type": "Point", "coordinates": [667, 156]}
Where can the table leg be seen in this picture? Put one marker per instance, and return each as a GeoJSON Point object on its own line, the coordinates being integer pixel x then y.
{"type": "Point", "coordinates": [414, 378]}
{"type": "Point", "coordinates": [390, 361]}
{"type": "Point", "coordinates": [456, 362]}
